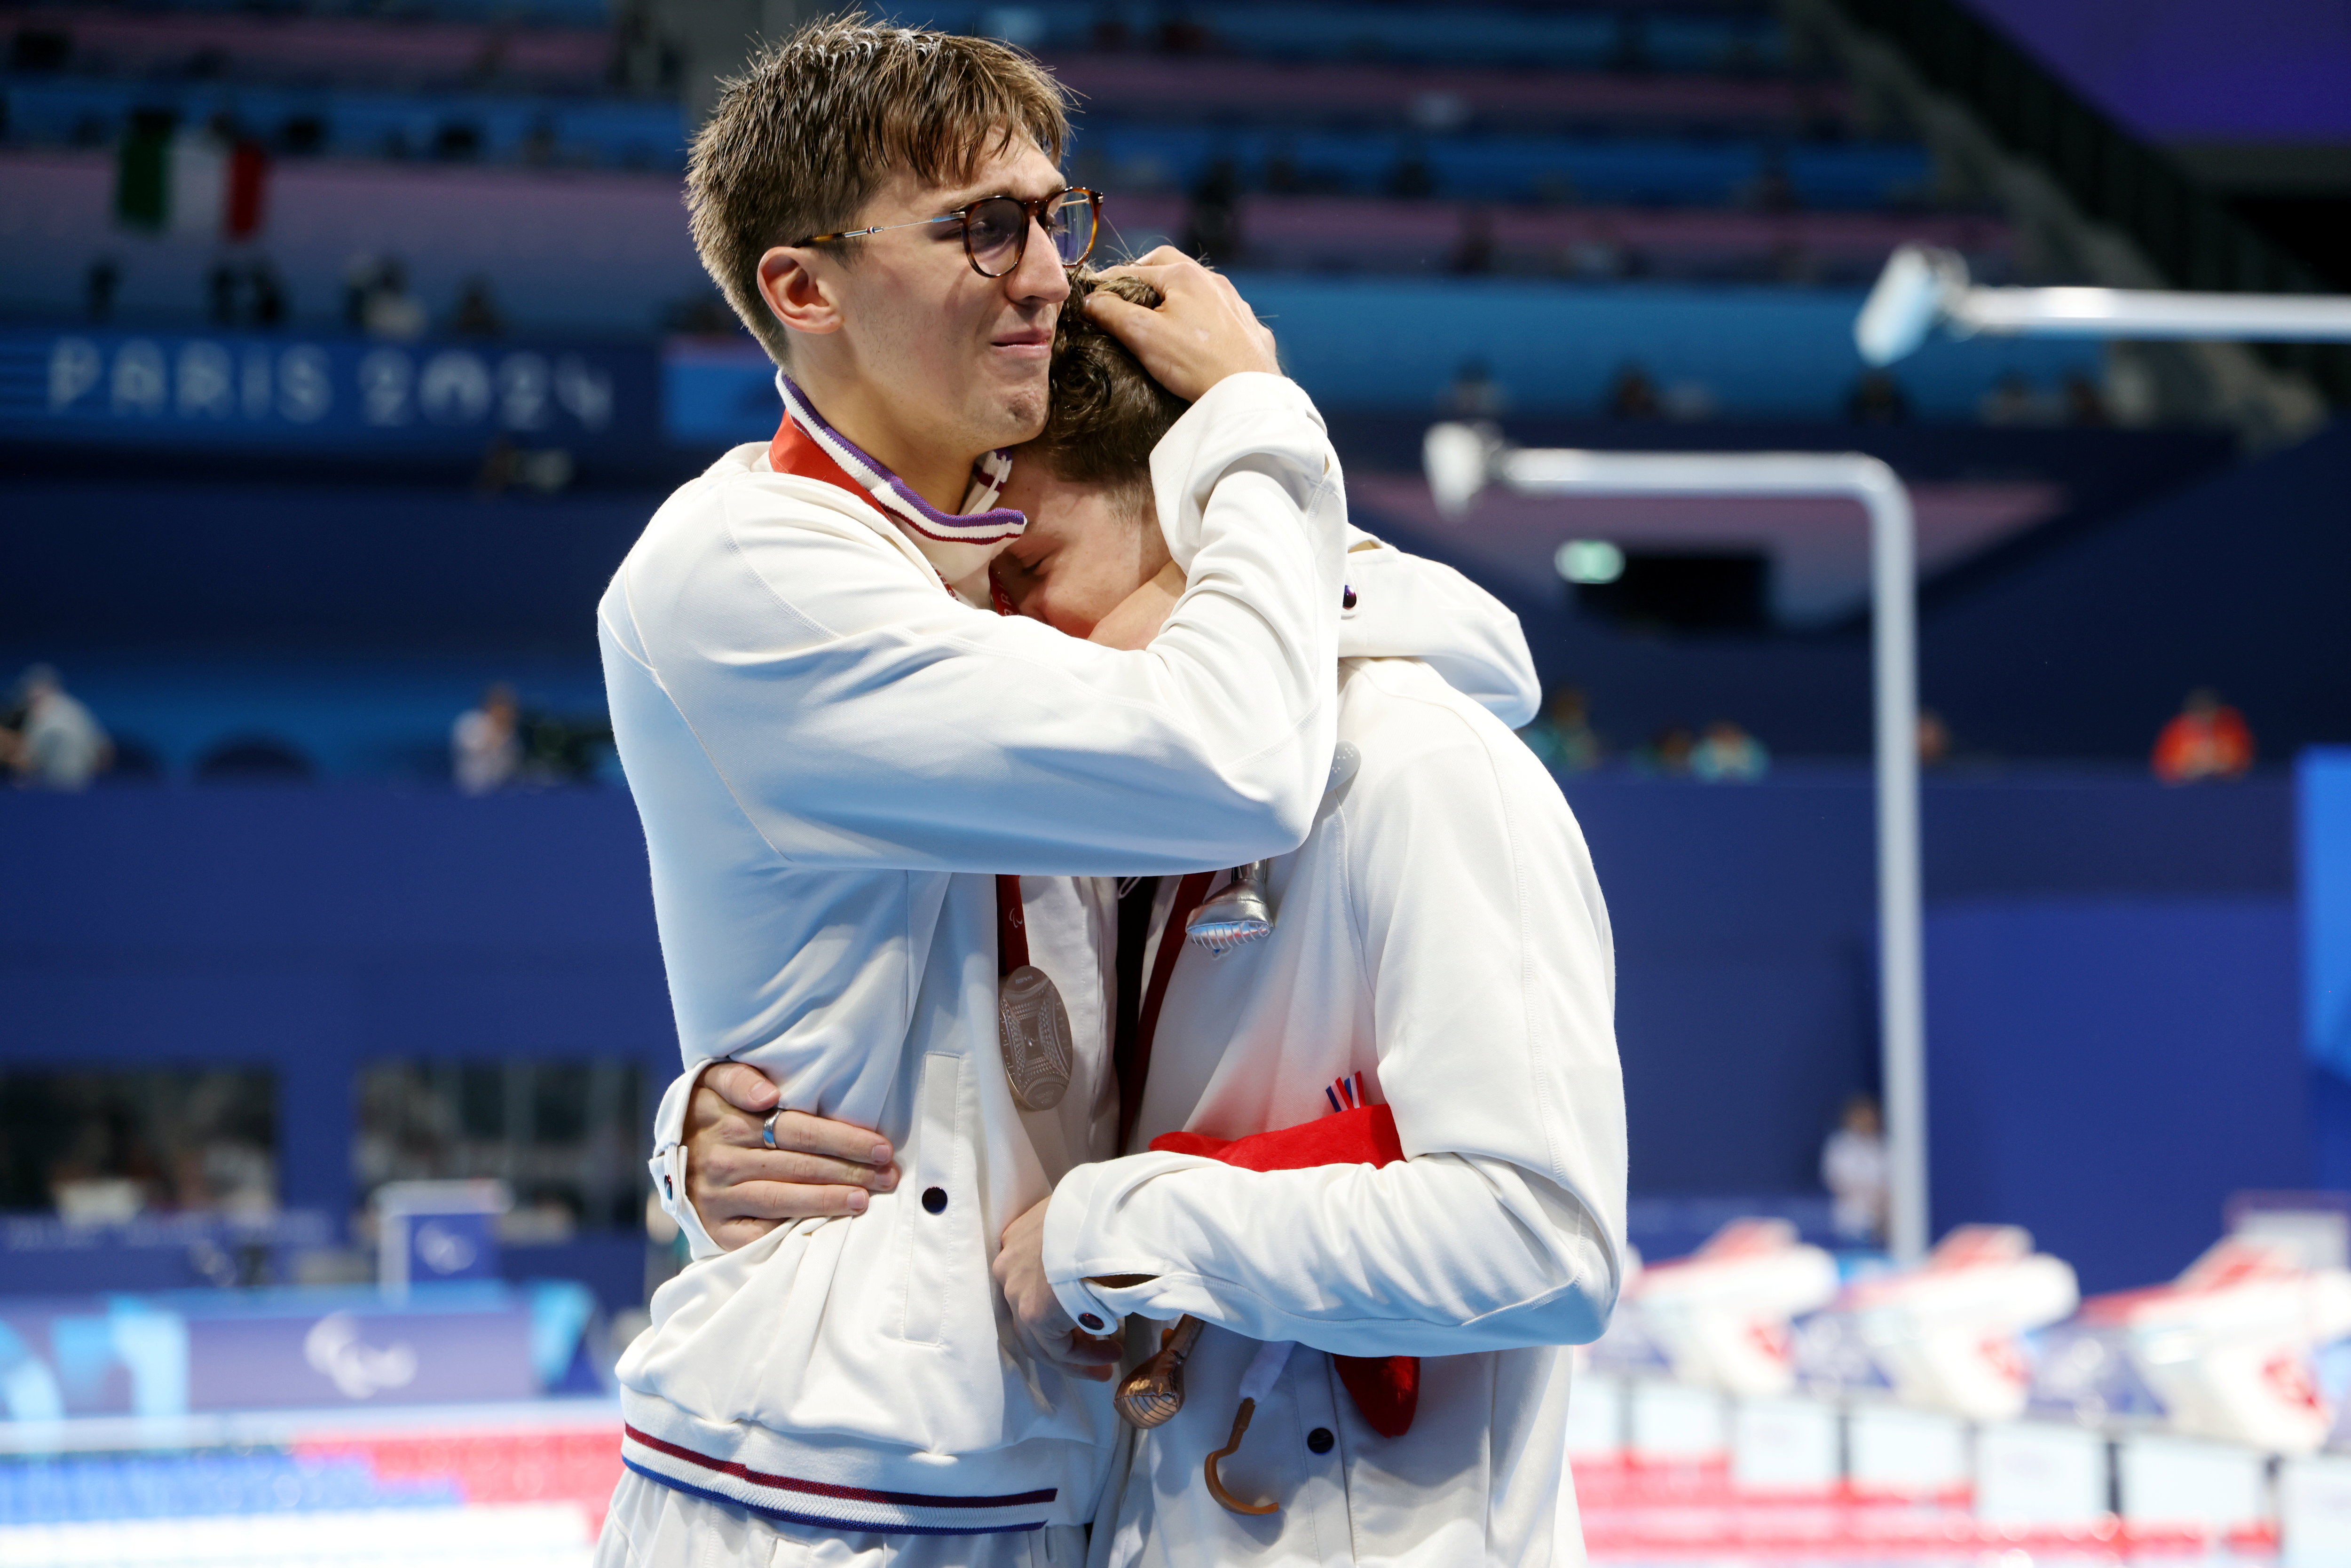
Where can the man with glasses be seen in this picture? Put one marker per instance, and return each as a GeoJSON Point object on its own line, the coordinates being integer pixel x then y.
{"type": "Point", "coordinates": [862, 791]}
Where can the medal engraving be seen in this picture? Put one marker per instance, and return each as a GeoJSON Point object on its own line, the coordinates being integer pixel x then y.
{"type": "Point", "coordinates": [1033, 1027]}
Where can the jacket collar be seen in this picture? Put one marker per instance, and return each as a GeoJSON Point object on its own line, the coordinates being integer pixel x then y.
{"type": "Point", "coordinates": [807, 446]}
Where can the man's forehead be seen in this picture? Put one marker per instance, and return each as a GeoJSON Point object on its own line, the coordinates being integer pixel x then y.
{"type": "Point", "coordinates": [1020, 170]}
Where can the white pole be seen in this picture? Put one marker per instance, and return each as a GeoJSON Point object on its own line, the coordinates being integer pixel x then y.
{"type": "Point", "coordinates": [2146, 313]}
{"type": "Point", "coordinates": [1902, 982]}
{"type": "Point", "coordinates": [1923, 288]}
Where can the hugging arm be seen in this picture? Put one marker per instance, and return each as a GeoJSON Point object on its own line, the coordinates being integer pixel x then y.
{"type": "Point", "coordinates": [1490, 958]}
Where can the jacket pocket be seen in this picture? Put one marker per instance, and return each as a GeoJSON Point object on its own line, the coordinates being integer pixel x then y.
{"type": "Point", "coordinates": [944, 1195]}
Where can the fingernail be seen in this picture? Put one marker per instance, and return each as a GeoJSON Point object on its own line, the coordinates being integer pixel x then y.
{"type": "Point", "coordinates": [857, 1201]}
{"type": "Point", "coordinates": [880, 1154]}
{"type": "Point", "coordinates": [884, 1180]}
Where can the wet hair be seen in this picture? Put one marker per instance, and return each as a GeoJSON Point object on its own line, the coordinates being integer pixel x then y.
{"type": "Point", "coordinates": [1106, 413]}
{"type": "Point", "coordinates": [817, 123]}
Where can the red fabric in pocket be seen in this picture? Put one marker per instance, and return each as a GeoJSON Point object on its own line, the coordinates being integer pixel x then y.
{"type": "Point", "coordinates": [1385, 1388]}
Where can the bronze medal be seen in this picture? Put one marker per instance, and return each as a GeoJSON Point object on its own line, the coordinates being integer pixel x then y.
{"type": "Point", "coordinates": [1033, 1027]}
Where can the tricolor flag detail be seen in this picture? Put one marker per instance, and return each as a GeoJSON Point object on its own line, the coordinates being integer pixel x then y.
{"type": "Point", "coordinates": [978, 524]}
{"type": "Point", "coordinates": [803, 1502]}
{"type": "Point", "coordinates": [189, 181]}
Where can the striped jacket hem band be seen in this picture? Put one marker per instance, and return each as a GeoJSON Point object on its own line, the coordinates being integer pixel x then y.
{"type": "Point", "coordinates": [828, 1503]}
{"type": "Point", "coordinates": [800, 1516]}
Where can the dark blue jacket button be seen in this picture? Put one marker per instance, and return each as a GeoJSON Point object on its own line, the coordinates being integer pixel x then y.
{"type": "Point", "coordinates": [934, 1198]}
{"type": "Point", "coordinates": [1320, 1439]}
{"type": "Point", "coordinates": [1089, 1322]}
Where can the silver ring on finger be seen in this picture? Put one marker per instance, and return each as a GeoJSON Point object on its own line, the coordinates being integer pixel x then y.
{"type": "Point", "coordinates": [768, 1128]}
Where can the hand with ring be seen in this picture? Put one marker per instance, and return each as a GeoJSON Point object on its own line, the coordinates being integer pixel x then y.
{"type": "Point", "coordinates": [751, 1165]}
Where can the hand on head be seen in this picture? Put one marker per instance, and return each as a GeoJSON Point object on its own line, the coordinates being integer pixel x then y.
{"type": "Point", "coordinates": [1202, 332]}
{"type": "Point", "coordinates": [742, 1189]}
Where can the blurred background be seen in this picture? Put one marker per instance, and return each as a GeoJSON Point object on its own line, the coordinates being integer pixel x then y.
{"type": "Point", "coordinates": [346, 347]}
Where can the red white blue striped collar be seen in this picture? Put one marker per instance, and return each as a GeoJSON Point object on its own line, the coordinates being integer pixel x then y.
{"type": "Point", "coordinates": [981, 522]}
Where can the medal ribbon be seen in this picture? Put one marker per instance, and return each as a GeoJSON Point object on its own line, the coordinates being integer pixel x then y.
{"type": "Point", "coordinates": [1189, 893]}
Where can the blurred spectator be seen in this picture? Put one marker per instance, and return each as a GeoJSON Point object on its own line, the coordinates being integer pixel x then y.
{"type": "Point", "coordinates": [1473, 251]}
{"type": "Point", "coordinates": [252, 292]}
{"type": "Point", "coordinates": [359, 278]}
{"type": "Point", "coordinates": [376, 299]}
{"type": "Point", "coordinates": [477, 311]}
{"type": "Point", "coordinates": [1727, 754]}
{"type": "Point", "coordinates": [702, 314]}
{"type": "Point", "coordinates": [1213, 224]}
{"type": "Point", "coordinates": [52, 742]}
{"type": "Point", "coordinates": [97, 288]}
{"type": "Point", "coordinates": [1877, 399]}
{"type": "Point", "coordinates": [2013, 400]}
{"type": "Point", "coordinates": [268, 295]}
{"type": "Point", "coordinates": [220, 294]}
{"type": "Point", "coordinates": [1633, 395]}
{"type": "Point", "coordinates": [1792, 262]}
{"type": "Point", "coordinates": [486, 743]}
{"type": "Point", "coordinates": [1597, 256]}
{"type": "Point", "coordinates": [1853, 1169]}
{"type": "Point", "coordinates": [2206, 739]}
{"type": "Point", "coordinates": [1475, 394]}
{"type": "Point", "coordinates": [1667, 753]}
{"type": "Point", "coordinates": [1563, 737]}
{"type": "Point", "coordinates": [1934, 739]}
{"type": "Point", "coordinates": [505, 467]}
{"type": "Point", "coordinates": [1283, 175]}
{"type": "Point", "coordinates": [2084, 403]}
{"type": "Point", "coordinates": [1412, 179]}
{"type": "Point", "coordinates": [1689, 402]}
{"type": "Point", "coordinates": [1773, 191]}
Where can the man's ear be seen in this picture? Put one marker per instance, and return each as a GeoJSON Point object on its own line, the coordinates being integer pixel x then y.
{"type": "Point", "coordinates": [792, 282]}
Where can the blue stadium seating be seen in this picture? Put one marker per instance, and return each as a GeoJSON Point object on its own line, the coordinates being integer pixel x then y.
{"type": "Point", "coordinates": [1510, 168]}
{"type": "Point", "coordinates": [618, 132]}
{"type": "Point", "coordinates": [1553, 38]}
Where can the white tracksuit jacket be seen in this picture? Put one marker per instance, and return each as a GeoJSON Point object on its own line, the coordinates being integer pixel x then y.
{"type": "Point", "coordinates": [830, 755]}
{"type": "Point", "coordinates": [1442, 932]}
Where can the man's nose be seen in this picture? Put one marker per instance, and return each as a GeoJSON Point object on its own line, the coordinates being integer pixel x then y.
{"type": "Point", "coordinates": [1041, 277]}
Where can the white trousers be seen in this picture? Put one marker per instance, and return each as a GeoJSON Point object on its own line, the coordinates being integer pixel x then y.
{"type": "Point", "coordinates": [653, 1526]}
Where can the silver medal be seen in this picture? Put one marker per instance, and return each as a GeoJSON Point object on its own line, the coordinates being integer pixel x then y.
{"type": "Point", "coordinates": [1033, 1027]}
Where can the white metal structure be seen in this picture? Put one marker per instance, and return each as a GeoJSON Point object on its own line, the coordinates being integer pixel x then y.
{"type": "Point", "coordinates": [1461, 460]}
{"type": "Point", "coordinates": [1923, 288]}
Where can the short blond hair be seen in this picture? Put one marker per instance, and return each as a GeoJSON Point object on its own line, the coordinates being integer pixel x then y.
{"type": "Point", "coordinates": [816, 123]}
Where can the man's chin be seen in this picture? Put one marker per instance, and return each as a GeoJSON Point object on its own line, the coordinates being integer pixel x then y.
{"type": "Point", "coordinates": [1020, 415]}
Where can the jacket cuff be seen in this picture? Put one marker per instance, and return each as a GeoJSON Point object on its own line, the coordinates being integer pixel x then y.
{"type": "Point", "coordinates": [1064, 1225]}
{"type": "Point", "coordinates": [1080, 1245]}
{"type": "Point", "coordinates": [668, 1163]}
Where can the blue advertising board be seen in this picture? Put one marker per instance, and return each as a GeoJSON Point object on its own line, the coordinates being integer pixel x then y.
{"type": "Point", "coordinates": [179, 389]}
{"type": "Point", "coordinates": [2325, 779]}
{"type": "Point", "coordinates": [176, 1351]}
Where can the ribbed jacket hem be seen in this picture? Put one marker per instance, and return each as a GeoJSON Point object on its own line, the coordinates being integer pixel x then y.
{"type": "Point", "coordinates": [830, 1480]}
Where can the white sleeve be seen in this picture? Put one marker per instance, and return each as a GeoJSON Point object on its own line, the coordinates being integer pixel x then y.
{"type": "Point", "coordinates": [862, 717]}
{"type": "Point", "coordinates": [1408, 608]}
{"type": "Point", "coordinates": [1437, 1255]}
{"type": "Point", "coordinates": [1493, 995]}
{"type": "Point", "coordinates": [668, 1163]}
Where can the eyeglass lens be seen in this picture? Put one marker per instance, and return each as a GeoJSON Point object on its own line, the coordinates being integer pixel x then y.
{"type": "Point", "coordinates": [996, 229]}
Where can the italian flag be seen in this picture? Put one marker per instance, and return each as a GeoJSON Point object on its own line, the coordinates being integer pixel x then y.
{"type": "Point", "coordinates": [169, 179]}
